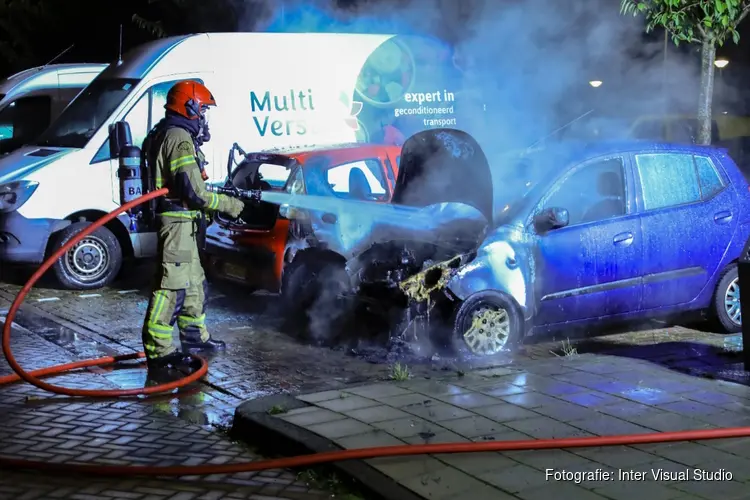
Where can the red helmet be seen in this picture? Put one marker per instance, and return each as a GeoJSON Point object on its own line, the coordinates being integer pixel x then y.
{"type": "Point", "coordinates": [188, 98]}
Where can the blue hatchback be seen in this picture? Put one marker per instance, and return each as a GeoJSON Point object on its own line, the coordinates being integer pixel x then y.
{"type": "Point", "coordinates": [620, 231]}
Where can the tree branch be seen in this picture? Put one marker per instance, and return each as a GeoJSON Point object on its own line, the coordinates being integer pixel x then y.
{"type": "Point", "coordinates": [744, 14]}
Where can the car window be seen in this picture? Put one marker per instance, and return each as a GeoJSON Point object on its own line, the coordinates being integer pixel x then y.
{"type": "Point", "coordinates": [667, 179]}
{"type": "Point", "coordinates": [592, 192]}
{"type": "Point", "coordinates": [709, 178]}
{"type": "Point", "coordinates": [363, 180]}
{"type": "Point", "coordinates": [138, 119]}
{"type": "Point", "coordinates": [25, 119]}
{"type": "Point", "coordinates": [275, 175]}
{"type": "Point", "coordinates": [296, 183]}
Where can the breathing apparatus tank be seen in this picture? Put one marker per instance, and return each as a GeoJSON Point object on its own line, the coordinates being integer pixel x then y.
{"type": "Point", "coordinates": [129, 171]}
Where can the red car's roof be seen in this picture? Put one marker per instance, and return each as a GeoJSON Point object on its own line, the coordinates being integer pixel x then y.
{"type": "Point", "coordinates": [302, 153]}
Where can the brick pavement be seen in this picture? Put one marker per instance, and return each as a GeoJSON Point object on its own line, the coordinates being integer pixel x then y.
{"type": "Point", "coordinates": [38, 426]}
{"type": "Point", "coordinates": [581, 395]}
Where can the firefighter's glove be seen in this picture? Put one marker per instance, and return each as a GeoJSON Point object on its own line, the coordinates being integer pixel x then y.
{"type": "Point", "coordinates": [235, 208]}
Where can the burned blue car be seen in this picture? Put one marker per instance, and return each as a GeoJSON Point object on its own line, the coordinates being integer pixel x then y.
{"type": "Point", "coordinates": [575, 235]}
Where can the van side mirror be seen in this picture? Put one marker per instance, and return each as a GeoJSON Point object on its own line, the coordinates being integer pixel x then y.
{"type": "Point", "coordinates": [550, 219]}
{"type": "Point", "coordinates": [119, 137]}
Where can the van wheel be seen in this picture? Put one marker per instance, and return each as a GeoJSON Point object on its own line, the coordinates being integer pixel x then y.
{"type": "Point", "coordinates": [487, 323]}
{"type": "Point", "coordinates": [727, 301]}
{"type": "Point", "coordinates": [92, 263]}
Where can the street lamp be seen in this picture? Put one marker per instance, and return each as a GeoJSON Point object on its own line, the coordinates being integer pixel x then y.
{"type": "Point", "coordinates": [721, 63]}
{"type": "Point", "coordinates": [595, 83]}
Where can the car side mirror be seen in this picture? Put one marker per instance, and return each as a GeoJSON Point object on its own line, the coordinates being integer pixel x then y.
{"type": "Point", "coordinates": [119, 137]}
{"type": "Point", "coordinates": [550, 219]}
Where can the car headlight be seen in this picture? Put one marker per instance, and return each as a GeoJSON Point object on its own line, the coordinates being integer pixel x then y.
{"type": "Point", "coordinates": [14, 194]}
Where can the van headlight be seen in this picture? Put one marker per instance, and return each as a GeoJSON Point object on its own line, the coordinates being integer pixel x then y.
{"type": "Point", "coordinates": [14, 194]}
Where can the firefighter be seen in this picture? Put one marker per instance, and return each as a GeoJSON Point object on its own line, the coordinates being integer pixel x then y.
{"type": "Point", "coordinates": [174, 160]}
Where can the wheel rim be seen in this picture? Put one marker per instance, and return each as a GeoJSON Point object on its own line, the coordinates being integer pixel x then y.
{"type": "Point", "coordinates": [489, 330]}
{"type": "Point", "coordinates": [88, 259]}
{"type": "Point", "coordinates": [732, 302]}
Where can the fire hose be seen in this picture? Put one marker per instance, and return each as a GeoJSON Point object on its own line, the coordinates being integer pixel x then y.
{"type": "Point", "coordinates": [34, 378]}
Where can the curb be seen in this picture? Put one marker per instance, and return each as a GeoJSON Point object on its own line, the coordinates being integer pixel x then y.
{"type": "Point", "coordinates": [254, 425]}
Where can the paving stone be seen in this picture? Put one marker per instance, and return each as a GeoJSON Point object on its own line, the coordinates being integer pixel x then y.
{"type": "Point", "coordinates": [507, 435]}
{"type": "Point", "coordinates": [347, 404]}
{"type": "Point", "coordinates": [543, 459]}
{"type": "Point", "coordinates": [498, 389]}
{"type": "Point", "coordinates": [340, 428]}
{"type": "Point", "coordinates": [469, 400]}
{"type": "Point", "coordinates": [505, 412]}
{"type": "Point", "coordinates": [624, 490]}
{"type": "Point", "coordinates": [564, 411]}
{"type": "Point", "coordinates": [434, 388]}
{"type": "Point", "coordinates": [530, 400]}
{"type": "Point", "coordinates": [406, 400]}
{"type": "Point", "coordinates": [667, 422]}
{"type": "Point", "coordinates": [546, 428]}
{"type": "Point", "coordinates": [377, 414]}
{"type": "Point", "coordinates": [605, 425]}
{"type": "Point", "coordinates": [739, 467]}
{"type": "Point", "coordinates": [690, 408]}
{"type": "Point", "coordinates": [591, 399]}
{"type": "Point", "coordinates": [320, 396]}
{"type": "Point", "coordinates": [400, 468]}
{"type": "Point", "coordinates": [687, 453]}
{"type": "Point", "coordinates": [370, 439]}
{"type": "Point", "coordinates": [475, 463]}
{"type": "Point", "coordinates": [442, 483]}
{"type": "Point", "coordinates": [473, 426]}
{"type": "Point", "coordinates": [442, 437]}
{"type": "Point", "coordinates": [729, 490]}
{"type": "Point", "coordinates": [481, 491]}
{"type": "Point", "coordinates": [319, 416]}
{"type": "Point", "coordinates": [623, 457]}
{"type": "Point", "coordinates": [378, 391]}
{"type": "Point", "coordinates": [436, 412]}
{"type": "Point", "coordinates": [651, 396]}
{"type": "Point", "coordinates": [406, 427]}
{"type": "Point", "coordinates": [625, 409]}
{"type": "Point", "coordinates": [559, 490]}
{"type": "Point", "coordinates": [515, 479]}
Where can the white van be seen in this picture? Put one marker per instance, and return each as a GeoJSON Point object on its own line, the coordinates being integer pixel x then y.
{"type": "Point", "coordinates": [272, 89]}
{"type": "Point", "coordinates": [32, 99]}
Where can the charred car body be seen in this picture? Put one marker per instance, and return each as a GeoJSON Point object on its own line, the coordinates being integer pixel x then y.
{"type": "Point", "coordinates": [570, 236]}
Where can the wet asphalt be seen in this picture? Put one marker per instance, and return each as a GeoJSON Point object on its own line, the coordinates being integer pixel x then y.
{"type": "Point", "coordinates": [261, 360]}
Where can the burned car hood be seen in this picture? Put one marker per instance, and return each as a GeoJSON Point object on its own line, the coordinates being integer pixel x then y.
{"type": "Point", "coordinates": [444, 166]}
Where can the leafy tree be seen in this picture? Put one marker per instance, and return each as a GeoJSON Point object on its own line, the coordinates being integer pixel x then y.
{"type": "Point", "coordinates": [706, 22]}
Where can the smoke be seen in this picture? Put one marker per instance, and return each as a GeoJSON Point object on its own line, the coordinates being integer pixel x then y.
{"type": "Point", "coordinates": [530, 62]}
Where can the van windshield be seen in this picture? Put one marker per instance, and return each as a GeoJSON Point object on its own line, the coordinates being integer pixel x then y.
{"type": "Point", "coordinates": [86, 114]}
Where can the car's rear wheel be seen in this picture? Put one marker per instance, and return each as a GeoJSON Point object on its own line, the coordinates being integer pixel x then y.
{"type": "Point", "coordinates": [726, 305]}
{"type": "Point", "coordinates": [487, 323]}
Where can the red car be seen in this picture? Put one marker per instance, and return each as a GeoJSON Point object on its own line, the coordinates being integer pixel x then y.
{"type": "Point", "coordinates": [256, 249]}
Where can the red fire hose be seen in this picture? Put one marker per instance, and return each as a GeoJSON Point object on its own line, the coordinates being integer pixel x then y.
{"type": "Point", "coordinates": [33, 378]}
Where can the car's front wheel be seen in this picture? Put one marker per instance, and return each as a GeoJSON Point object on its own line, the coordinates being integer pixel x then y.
{"type": "Point", "coordinates": [92, 263]}
{"type": "Point", "coordinates": [727, 301]}
{"type": "Point", "coordinates": [487, 323]}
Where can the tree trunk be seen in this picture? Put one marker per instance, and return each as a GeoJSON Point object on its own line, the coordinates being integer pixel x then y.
{"type": "Point", "coordinates": [708, 56]}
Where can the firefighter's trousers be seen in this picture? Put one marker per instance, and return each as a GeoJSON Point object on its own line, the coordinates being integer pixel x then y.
{"type": "Point", "coordinates": [179, 294]}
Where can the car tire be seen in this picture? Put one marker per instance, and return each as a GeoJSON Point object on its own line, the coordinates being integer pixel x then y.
{"type": "Point", "coordinates": [726, 303]}
{"type": "Point", "coordinates": [309, 284]}
{"type": "Point", "coordinates": [92, 263]}
{"type": "Point", "coordinates": [501, 313]}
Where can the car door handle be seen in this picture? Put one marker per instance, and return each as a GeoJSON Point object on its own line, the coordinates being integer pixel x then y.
{"type": "Point", "coordinates": [723, 217]}
{"type": "Point", "coordinates": [329, 218]}
{"type": "Point", "coordinates": [623, 239]}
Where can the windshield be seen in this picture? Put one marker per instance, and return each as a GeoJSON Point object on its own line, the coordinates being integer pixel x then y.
{"type": "Point", "coordinates": [86, 114]}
